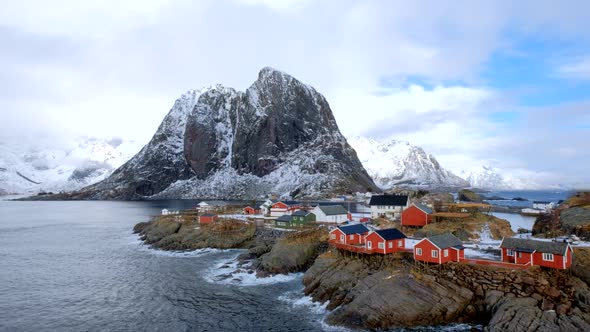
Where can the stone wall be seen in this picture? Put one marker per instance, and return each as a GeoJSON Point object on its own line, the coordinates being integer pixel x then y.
{"type": "Point", "coordinates": [552, 289]}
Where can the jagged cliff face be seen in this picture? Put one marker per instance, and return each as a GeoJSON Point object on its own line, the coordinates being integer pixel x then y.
{"type": "Point", "coordinates": [277, 137]}
{"type": "Point", "coordinates": [397, 163]}
{"type": "Point", "coordinates": [159, 164]}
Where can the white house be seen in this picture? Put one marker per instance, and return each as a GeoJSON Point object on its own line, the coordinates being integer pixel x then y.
{"type": "Point", "coordinates": [389, 206]}
{"type": "Point", "coordinates": [330, 213]}
{"type": "Point", "coordinates": [165, 212]}
{"type": "Point", "coordinates": [204, 206]}
{"type": "Point", "coordinates": [265, 207]}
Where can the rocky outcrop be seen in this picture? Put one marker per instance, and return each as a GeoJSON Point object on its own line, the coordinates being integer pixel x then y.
{"type": "Point", "coordinates": [466, 195]}
{"type": "Point", "coordinates": [510, 313]}
{"type": "Point", "coordinates": [183, 232]}
{"type": "Point", "coordinates": [571, 217]}
{"type": "Point", "coordinates": [294, 252]}
{"type": "Point", "coordinates": [379, 293]}
{"type": "Point", "coordinates": [388, 292]}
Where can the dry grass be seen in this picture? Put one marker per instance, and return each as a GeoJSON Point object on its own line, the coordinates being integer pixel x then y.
{"type": "Point", "coordinates": [581, 199]}
{"type": "Point", "coordinates": [468, 228]}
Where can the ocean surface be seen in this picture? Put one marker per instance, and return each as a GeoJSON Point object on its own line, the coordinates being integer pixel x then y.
{"type": "Point", "coordinates": [76, 266]}
{"type": "Point", "coordinates": [530, 196]}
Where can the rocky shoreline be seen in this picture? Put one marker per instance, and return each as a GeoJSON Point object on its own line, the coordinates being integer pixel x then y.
{"type": "Point", "coordinates": [375, 292]}
{"type": "Point", "coordinates": [381, 292]}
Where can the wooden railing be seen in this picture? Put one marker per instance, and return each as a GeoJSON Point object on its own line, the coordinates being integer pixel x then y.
{"type": "Point", "coordinates": [495, 263]}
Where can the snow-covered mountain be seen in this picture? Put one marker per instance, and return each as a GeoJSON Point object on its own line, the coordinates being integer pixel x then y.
{"type": "Point", "coordinates": [394, 163]}
{"type": "Point", "coordinates": [30, 167]}
{"type": "Point", "coordinates": [488, 177]}
{"type": "Point", "coordinates": [279, 136]}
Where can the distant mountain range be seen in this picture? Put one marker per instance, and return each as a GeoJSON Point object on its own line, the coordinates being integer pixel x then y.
{"type": "Point", "coordinates": [279, 136]}
{"type": "Point", "coordinates": [30, 167]}
{"type": "Point", "coordinates": [397, 163]}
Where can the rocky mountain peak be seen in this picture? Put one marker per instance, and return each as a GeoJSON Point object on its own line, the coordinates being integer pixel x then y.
{"type": "Point", "coordinates": [279, 136]}
{"type": "Point", "coordinates": [393, 163]}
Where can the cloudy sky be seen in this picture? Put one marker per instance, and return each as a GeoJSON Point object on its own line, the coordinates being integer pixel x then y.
{"type": "Point", "coordinates": [472, 82]}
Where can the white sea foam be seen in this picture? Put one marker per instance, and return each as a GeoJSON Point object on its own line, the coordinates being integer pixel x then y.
{"type": "Point", "coordinates": [134, 240]}
{"type": "Point", "coordinates": [229, 272]}
{"type": "Point", "coordinates": [316, 312]}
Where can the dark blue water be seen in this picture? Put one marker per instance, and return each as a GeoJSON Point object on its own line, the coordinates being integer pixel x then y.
{"type": "Point", "coordinates": [530, 195]}
{"type": "Point", "coordinates": [76, 266]}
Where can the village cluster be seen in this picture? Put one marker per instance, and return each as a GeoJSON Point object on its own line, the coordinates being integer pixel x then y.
{"type": "Point", "coordinates": [352, 231]}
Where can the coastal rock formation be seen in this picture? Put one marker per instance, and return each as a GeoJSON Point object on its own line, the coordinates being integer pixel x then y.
{"type": "Point", "coordinates": [279, 136]}
{"type": "Point", "coordinates": [388, 292]}
{"type": "Point", "coordinates": [570, 217]}
{"type": "Point", "coordinates": [469, 196]}
{"type": "Point", "coordinates": [294, 252]}
{"type": "Point", "coordinates": [183, 232]}
{"type": "Point", "coordinates": [367, 296]}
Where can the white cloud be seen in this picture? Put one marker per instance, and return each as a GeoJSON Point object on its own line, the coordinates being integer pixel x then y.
{"type": "Point", "coordinates": [577, 69]}
{"type": "Point", "coordinates": [115, 68]}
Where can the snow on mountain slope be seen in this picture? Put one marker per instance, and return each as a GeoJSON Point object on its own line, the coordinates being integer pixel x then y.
{"type": "Point", "coordinates": [29, 167]}
{"type": "Point", "coordinates": [279, 136]}
{"type": "Point", "coordinates": [397, 163]}
{"type": "Point", "coordinates": [488, 177]}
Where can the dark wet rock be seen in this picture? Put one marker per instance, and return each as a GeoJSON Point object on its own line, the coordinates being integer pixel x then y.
{"type": "Point", "coordinates": [469, 196]}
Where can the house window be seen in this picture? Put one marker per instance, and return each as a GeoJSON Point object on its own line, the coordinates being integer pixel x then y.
{"type": "Point", "coordinates": [520, 255]}
{"type": "Point", "coordinates": [510, 252]}
{"type": "Point", "coordinates": [381, 245]}
{"type": "Point", "coordinates": [434, 253]}
{"type": "Point", "coordinates": [390, 244]}
{"type": "Point", "coordinates": [351, 237]}
{"type": "Point", "coordinates": [400, 243]}
{"type": "Point", "coordinates": [418, 251]}
{"type": "Point", "coordinates": [446, 253]}
{"type": "Point", "coordinates": [333, 236]}
{"type": "Point", "coordinates": [548, 257]}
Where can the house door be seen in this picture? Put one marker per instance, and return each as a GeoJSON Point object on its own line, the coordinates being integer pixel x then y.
{"type": "Point", "coordinates": [369, 245]}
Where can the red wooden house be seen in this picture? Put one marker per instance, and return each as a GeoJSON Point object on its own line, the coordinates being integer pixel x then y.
{"type": "Point", "coordinates": [251, 210]}
{"type": "Point", "coordinates": [417, 215]}
{"type": "Point", "coordinates": [284, 207]}
{"type": "Point", "coordinates": [439, 249]}
{"type": "Point", "coordinates": [349, 234]}
{"type": "Point", "coordinates": [556, 255]}
{"type": "Point", "coordinates": [208, 218]}
{"type": "Point", "coordinates": [385, 241]}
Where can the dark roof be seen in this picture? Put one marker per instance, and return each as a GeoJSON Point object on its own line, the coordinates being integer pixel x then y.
{"type": "Point", "coordinates": [446, 240]}
{"type": "Point", "coordinates": [208, 215]}
{"type": "Point", "coordinates": [527, 245]}
{"type": "Point", "coordinates": [393, 200]}
{"type": "Point", "coordinates": [541, 202]}
{"type": "Point", "coordinates": [390, 234]}
{"type": "Point", "coordinates": [424, 208]}
{"type": "Point", "coordinates": [331, 210]}
{"type": "Point", "coordinates": [285, 217]}
{"type": "Point", "coordinates": [301, 213]}
{"type": "Point", "coordinates": [354, 229]}
{"type": "Point", "coordinates": [290, 202]}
